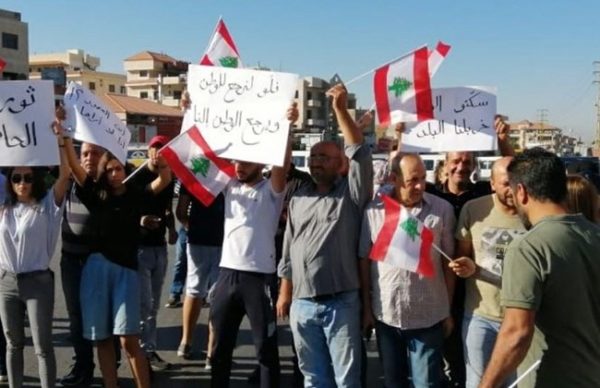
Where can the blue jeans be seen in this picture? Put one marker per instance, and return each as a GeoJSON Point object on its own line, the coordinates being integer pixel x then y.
{"type": "Point", "coordinates": [152, 267]}
{"type": "Point", "coordinates": [328, 340]}
{"type": "Point", "coordinates": [479, 336]}
{"type": "Point", "coordinates": [70, 272]}
{"type": "Point", "coordinates": [416, 353]}
{"type": "Point", "coordinates": [180, 267]}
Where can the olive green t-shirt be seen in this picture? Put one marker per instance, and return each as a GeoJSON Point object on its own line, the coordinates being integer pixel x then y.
{"type": "Point", "coordinates": [490, 231]}
{"type": "Point", "coordinates": [555, 270]}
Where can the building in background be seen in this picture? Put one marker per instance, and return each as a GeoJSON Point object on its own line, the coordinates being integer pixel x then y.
{"type": "Point", "coordinates": [77, 66]}
{"type": "Point", "coordinates": [316, 119]}
{"type": "Point", "coordinates": [156, 77]}
{"type": "Point", "coordinates": [527, 134]}
{"type": "Point", "coordinates": [14, 48]}
{"type": "Point", "coordinates": [144, 118]}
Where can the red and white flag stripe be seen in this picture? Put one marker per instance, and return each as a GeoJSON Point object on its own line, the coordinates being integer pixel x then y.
{"type": "Point", "coordinates": [221, 45]}
{"type": "Point", "coordinates": [403, 241]}
{"type": "Point", "coordinates": [207, 184]}
{"type": "Point", "coordinates": [437, 56]}
{"type": "Point", "coordinates": [403, 89]}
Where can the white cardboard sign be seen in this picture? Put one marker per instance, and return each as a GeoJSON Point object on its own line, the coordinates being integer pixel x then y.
{"type": "Point", "coordinates": [26, 116]}
{"type": "Point", "coordinates": [240, 112]}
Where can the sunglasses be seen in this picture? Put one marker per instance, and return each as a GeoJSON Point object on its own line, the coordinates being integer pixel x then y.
{"type": "Point", "coordinates": [18, 178]}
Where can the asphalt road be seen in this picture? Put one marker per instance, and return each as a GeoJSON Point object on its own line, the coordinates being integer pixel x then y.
{"type": "Point", "coordinates": [184, 373]}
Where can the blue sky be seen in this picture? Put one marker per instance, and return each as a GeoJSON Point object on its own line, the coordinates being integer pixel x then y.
{"type": "Point", "coordinates": [538, 53]}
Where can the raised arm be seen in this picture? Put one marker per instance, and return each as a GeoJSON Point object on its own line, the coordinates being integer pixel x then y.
{"type": "Point", "coordinates": [351, 132]}
{"type": "Point", "coordinates": [77, 170]}
{"type": "Point", "coordinates": [279, 174]}
{"type": "Point", "coordinates": [503, 134]}
{"type": "Point", "coordinates": [164, 176]}
{"type": "Point", "coordinates": [62, 183]}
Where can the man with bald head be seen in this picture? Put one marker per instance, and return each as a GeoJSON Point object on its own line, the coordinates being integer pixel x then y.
{"type": "Point", "coordinates": [486, 226]}
{"type": "Point", "coordinates": [409, 311]}
{"type": "Point", "coordinates": [319, 267]}
{"type": "Point", "coordinates": [458, 190]}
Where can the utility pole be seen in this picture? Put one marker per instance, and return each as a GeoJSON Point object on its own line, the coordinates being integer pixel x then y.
{"type": "Point", "coordinates": [542, 118]}
{"type": "Point", "coordinates": [597, 82]}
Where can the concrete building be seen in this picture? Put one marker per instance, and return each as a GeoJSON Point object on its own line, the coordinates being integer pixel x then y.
{"type": "Point", "coordinates": [14, 49]}
{"type": "Point", "coordinates": [526, 134]}
{"type": "Point", "coordinates": [316, 120]}
{"type": "Point", "coordinates": [156, 77]}
{"type": "Point", "coordinates": [77, 66]}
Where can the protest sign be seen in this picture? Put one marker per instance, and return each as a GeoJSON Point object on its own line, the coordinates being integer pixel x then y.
{"type": "Point", "coordinates": [26, 116]}
{"type": "Point", "coordinates": [463, 121]}
{"type": "Point", "coordinates": [242, 113]}
{"type": "Point", "coordinates": [93, 122]}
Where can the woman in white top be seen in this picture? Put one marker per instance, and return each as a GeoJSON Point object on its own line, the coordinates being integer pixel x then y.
{"type": "Point", "coordinates": [29, 227]}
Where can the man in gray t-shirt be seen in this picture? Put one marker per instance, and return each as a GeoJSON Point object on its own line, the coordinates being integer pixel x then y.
{"type": "Point", "coordinates": [550, 280]}
{"type": "Point", "coordinates": [319, 267]}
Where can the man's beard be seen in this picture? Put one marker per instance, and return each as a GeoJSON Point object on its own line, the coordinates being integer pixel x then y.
{"type": "Point", "coordinates": [523, 217]}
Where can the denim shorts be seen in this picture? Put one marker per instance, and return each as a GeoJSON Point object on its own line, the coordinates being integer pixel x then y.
{"type": "Point", "coordinates": [110, 299]}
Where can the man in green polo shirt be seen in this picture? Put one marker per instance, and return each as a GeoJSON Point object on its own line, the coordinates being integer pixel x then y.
{"type": "Point", "coordinates": [550, 279]}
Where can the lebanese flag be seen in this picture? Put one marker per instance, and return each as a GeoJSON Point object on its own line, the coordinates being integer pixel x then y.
{"type": "Point", "coordinates": [437, 56]}
{"type": "Point", "coordinates": [403, 89]}
{"type": "Point", "coordinates": [2, 64]}
{"type": "Point", "coordinates": [221, 51]}
{"type": "Point", "coordinates": [199, 169]}
{"type": "Point", "coordinates": [403, 241]}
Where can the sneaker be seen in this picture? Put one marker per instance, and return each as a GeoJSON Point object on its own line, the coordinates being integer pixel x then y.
{"type": "Point", "coordinates": [78, 377]}
{"type": "Point", "coordinates": [157, 364]}
{"type": "Point", "coordinates": [207, 364]}
{"type": "Point", "coordinates": [173, 302]}
{"type": "Point", "coordinates": [184, 351]}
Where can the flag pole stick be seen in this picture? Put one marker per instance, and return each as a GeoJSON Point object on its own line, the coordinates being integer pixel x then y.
{"type": "Point", "coordinates": [441, 252]}
{"type": "Point", "coordinates": [531, 368]}
{"type": "Point", "coordinates": [372, 70]}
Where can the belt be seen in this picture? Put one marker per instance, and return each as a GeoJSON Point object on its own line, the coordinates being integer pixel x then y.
{"type": "Point", "coordinates": [24, 275]}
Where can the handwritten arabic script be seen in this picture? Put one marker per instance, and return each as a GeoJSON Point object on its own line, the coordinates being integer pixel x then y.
{"type": "Point", "coordinates": [94, 122]}
{"type": "Point", "coordinates": [241, 111]}
{"type": "Point", "coordinates": [464, 120]}
{"type": "Point", "coordinates": [26, 112]}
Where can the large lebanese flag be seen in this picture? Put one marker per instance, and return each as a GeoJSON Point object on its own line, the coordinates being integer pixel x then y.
{"type": "Point", "coordinates": [221, 50]}
{"type": "Point", "coordinates": [437, 56]}
{"type": "Point", "coordinates": [403, 241]}
{"type": "Point", "coordinates": [199, 169]}
{"type": "Point", "coordinates": [403, 89]}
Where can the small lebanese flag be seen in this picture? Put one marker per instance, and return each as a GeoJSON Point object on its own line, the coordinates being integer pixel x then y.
{"type": "Point", "coordinates": [437, 56]}
{"type": "Point", "coordinates": [2, 64]}
{"type": "Point", "coordinates": [403, 89]}
{"type": "Point", "coordinates": [199, 169]}
{"type": "Point", "coordinates": [221, 50]}
{"type": "Point", "coordinates": [403, 241]}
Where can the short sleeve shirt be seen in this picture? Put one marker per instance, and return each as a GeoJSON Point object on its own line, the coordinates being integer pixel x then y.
{"type": "Point", "coordinates": [490, 232]}
{"type": "Point", "coordinates": [555, 270]}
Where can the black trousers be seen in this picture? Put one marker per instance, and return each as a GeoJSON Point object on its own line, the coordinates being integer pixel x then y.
{"type": "Point", "coordinates": [239, 293]}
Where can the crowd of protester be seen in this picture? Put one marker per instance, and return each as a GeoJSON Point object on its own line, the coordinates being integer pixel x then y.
{"type": "Point", "coordinates": [514, 254]}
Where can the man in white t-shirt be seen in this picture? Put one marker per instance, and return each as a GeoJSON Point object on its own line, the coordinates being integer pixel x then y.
{"type": "Point", "coordinates": [247, 282]}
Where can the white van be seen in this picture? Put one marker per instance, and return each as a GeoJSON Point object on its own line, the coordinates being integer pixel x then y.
{"type": "Point", "coordinates": [484, 167]}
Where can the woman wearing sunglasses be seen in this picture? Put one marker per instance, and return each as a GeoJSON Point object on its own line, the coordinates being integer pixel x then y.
{"type": "Point", "coordinates": [29, 228]}
{"type": "Point", "coordinates": [110, 296]}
